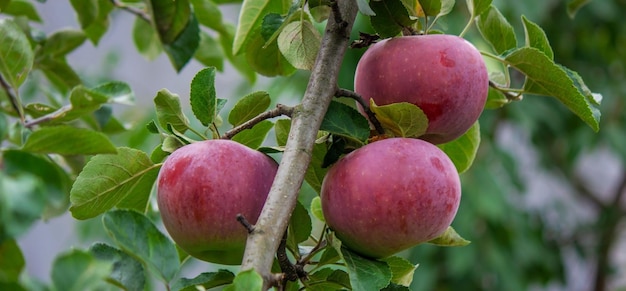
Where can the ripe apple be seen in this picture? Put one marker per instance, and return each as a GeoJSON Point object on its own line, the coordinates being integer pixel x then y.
{"type": "Point", "coordinates": [201, 189]}
{"type": "Point", "coordinates": [390, 195]}
{"type": "Point", "coordinates": [444, 75]}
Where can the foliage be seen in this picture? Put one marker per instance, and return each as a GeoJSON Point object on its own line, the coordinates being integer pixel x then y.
{"type": "Point", "coordinates": [61, 152]}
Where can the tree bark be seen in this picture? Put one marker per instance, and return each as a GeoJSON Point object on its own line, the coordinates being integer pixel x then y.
{"type": "Point", "coordinates": [263, 242]}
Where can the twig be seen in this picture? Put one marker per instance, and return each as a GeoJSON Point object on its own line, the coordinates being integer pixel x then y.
{"type": "Point", "coordinates": [138, 12]}
{"type": "Point", "coordinates": [242, 219]}
{"type": "Point", "coordinates": [306, 119]}
{"type": "Point", "coordinates": [283, 261]}
{"type": "Point", "coordinates": [365, 40]}
{"type": "Point", "coordinates": [278, 111]}
{"type": "Point", "coordinates": [15, 101]}
{"type": "Point", "coordinates": [510, 96]}
{"type": "Point", "coordinates": [370, 115]}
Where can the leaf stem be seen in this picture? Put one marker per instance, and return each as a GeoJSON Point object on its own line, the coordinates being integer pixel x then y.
{"type": "Point", "coordinates": [138, 12]}
{"type": "Point", "coordinates": [370, 115]}
{"type": "Point", "coordinates": [278, 111]}
{"type": "Point", "coordinates": [468, 25]}
{"type": "Point", "coordinates": [13, 98]}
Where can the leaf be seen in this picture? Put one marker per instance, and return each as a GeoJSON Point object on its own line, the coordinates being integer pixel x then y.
{"type": "Point", "coordinates": [137, 236]}
{"type": "Point", "coordinates": [170, 18]}
{"type": "Point", "coordinates": [365, 8]}
{"type": "Point", "coordinates": [246, 280]}
{"type": "Point", "coordinates": [86, 11]}
{"type": "Point", "coordinates": [496, 30]}
{"type": "Point", "coordinates": [16, 55]}
{"type": "Point", "coordinates": [462, 150]}
{"type": "Point", "coordinates": [60, 74]}
{"type": "Point", "coordinates": [254, 137]}
{"type": "Point", "coordinates": [366, 274]}
{"type": "Point", "coordinates": [344, 120]}
{"type": "Point", "coordinates": [11, 261]}
{"type": "Point", "coordinates": [169, 111]}
{"type": "Point", "coordinates": [146, 39]}
{"type": "Point", "coordinates": [203, 96]}
{"type": "Point", "coordinates": [22, 200]}
{"type": "Point", "coordinates": [21, 8]}
{"type": "Point", "coordinates": [391, 17]}
{"type": "Point", "coordinates": [62, 42]}
{"type": "Point", "coordinates": [450, 238]}
{"type": "Point", "coordinates": [299, 42]}
{"type": "Point", "coordinates": [127, 272]}
{"type": "Point", "coordinates": [266, 58]}
{"type": "Point", "coordinates": [477, 7]}
{"type": "Point", "coordinates": [401, 119]}
{"type": "Point", "coordinates": [574, 5]}
{"type": "Point", "coordinates": [248, 107]}
{"type": "Point", "coordinates": [67, 140]}
{"type": "Point", "coordinates": [271, 23]}
{"type": "Point", "coordinates": [250, 19]}
{"type": "Point", "coordinates": [315, 173]}
{"type": "Point", "coordinates": [183, 48]}
{"type": "Point", "coordinates": [327, 279]}
{"type": "Point", "coordinates": [430, 7]}
{"type": "Point", "coordinates": [282, 128]}
{"type": "Point", "coordinates": [100, 23]}
{"type": "Point", "coordinates": [402, 270]}
{"type": "Point", "coordinates": [78, 270]}
{"type": "Point", "coordinates": [299, 226]}
{"type": "Point", "coordinates": [536, 37]}
{"type": "Point", "coordinates": [226, 39]}
{"type": "Point", "coordinates": [206, 280]}
{"type": "Point", "coordinates": [209, 52]}
{"type": "Point", "coordinates": [108, 179]}
{"type": "Point", "coordinates": [208, 14]}
{"type": "Point", "coordinates": [117, 92]}
{"type": "Point", "coordinates": [544, 77]}
{"type": "Point", "coordinates": [316, 208]}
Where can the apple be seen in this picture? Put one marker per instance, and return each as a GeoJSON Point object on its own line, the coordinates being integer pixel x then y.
{"type": "Point", "coordinates": [390, 195]}
{"type": "Point", "coordinates": [202, 187]}
{"type": "Point", "coordinates": [444, 75]}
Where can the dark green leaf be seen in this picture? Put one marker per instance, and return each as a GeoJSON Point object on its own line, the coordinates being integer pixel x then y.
{"type": "Point", "coordinates": [402, 270]}
{"type": "Point", "coordinates": [107, 180]}
{"type": "Point", "coordinates": [544, 77]}
{"type": "Point", "coordinates": [169, 111]}
{"type": "Point", "coordinates": [536, 37]}
{"type": "Point", "coordinates": [346, 121]}
{"type": "Point", "coordinates": [266, 58]}
{"type": "Point", "coordinates": [146, 39]}
{"type": "Point", "coordinates": [78, 270]}
{"type": "Point", "coordinates": [496, 30]}
{"type": "Point", "coordinates": [254, 137]}
{"type": "Point", "coordinates": [271, 23]}
{"type": "Point", "coordinates": [22, 8]}
{"type": "Point", "coordinates": [401, 119]}
{"type": "Point", "coordinates": [184, 47]}
{"type": "Point", "coordinates": [462, 150]}
{"type": "Point", "coordinates": [209, 52]}
{"type": "Point", "coordinates": [67, 140]}
{"type": "Point", "coordinates": [16, 55]}
{"type": "Point", "coordinates": [391, 17]}
{"type": "Point", "coordinates": [11, 261]}
{"type": "Point", "coordinates": [170, 18]}
{"type": "Point", "coordinates": [574, 5]}
{"type": "Point", "coordinates": [248, 107]}
{"type": "Point", "coordinates": [299, 226]}
{"type": "Point", "coordinates": [137, 236]}
{"type": "Point", "coordinates": [450, 238]}
{"type": "Point", "coordinates": [251, 18]}
{"type": "Point", "coordinates": [335, 151]}
{"type": "Point", "coordinates": [62, 42]}
{"type": "Point", "coordinates": [246, 280]}
{"type": "Point", "coordinates": [206, 280]}
{"type": "Point", "coordinates": [299, 42]}
{"type": "Point", "coordinates": [203, 96]}
{"type": "Point", "coordinates": [366, 274]}
{"type": "Point", "coordinates": [127, 271]}
{"type": "Point", "coordinates": [330, 255]}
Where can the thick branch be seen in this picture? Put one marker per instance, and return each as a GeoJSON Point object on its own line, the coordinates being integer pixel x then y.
{"type": "Point", "coordinates": [306, 119]}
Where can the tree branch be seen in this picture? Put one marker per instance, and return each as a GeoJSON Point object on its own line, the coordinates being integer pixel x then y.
{"type": "Point", "coordinates": [306, 119]}
{"type": "Point", "coordinates": [278, 111]}
{"type": "Point", "coordinates": [138, 12]}
{"type": "Point", "coordinates": [15, 101]}
{"type": "Point", "coordinates": [370, 115]}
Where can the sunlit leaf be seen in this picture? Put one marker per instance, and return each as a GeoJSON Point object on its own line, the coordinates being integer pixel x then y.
{"type": "Point", "coordinates": [450, 238]}
{"type": "Point", "coordinates": [250, 19]}
{"type": "Point", "coordinates": [248, 107]}
{"type": "Point", "coordinates": [203, 96]}
{"type": "Point", "coordinates": [401, 119]}
{"type": "Point", "coordinates": [496, 30]}
{"type": "Point", "coordinates": [68, 140]}
{"type": "Point", "coordinates": [316, 208]}
{"type": "Point", "coordinates": [169, 111]}
{"type": "Point", "coordinates": [401, 269]}
{"type": "Point", "coordinates": [299, 42]}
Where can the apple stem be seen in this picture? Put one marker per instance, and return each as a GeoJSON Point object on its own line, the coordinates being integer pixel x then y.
{"type": "Point", "coordinates": [340, 92]}
{"type": "Point", "coordinates": [278, 111]}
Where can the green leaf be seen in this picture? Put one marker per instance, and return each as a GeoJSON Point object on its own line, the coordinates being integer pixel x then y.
{"type": "Point", "coordinates": [271, 23]}
{"type": "Point", "coordinates": [477, 7]}
{"type": "Point", "coordinates": [246, 280]}
{"type": "Point", "coordinates": [346, 121]}
{"type": "Point", "coordinates": [86, 11]}
{"type": "Point", "coordinates": [206, 280]}
{"type": "Point", "coordinates": [127, 272]}
{"type": "Point", "coordinates": [401, 119]}
{"type": "Point", "coordinates": [495, 99]}
{"type": "Point", "coordinates": [22, 200]}
{"type": "Point", "coordinates": [496, 30]}
{"type": "Point", "coordinates": [266, 58]}
{"type": "Point", "coordinates": [402, 270]}
{"type": "Point", "coordinates": [16, 55]}
{"type": "Point", "coordinates": [327, 279]}
{"type": "Point", "coordinates": [315, 173]}
{"type": "Point", "coordinates": [462, 150]}
{"type": "Point", "coordinates": [248, 107]}
{"type": "Point", "coordinates": [391, 17]}
{"type": "Point", "coordinates": [67, 140]}
{"type": "Point", "coordinates": [203, 96]}
{"type": "Point", "coordinates": [117, 92]}
{"type": "Point", "coordinates": [209, 52]}
{"type": "Point", "coordinates": [450, 238]}
{"type": "Point", "coordinates": [11, 261]}
{"type": "Point", "coordinates": [544, 77]}
{"type": "Point", "coordinates": [430, 7]}
{"type": "Point", "coordinates": [78, 270]}
{"type": "Point", "coordinates": [184, 47]}
{"type": "Point", "coordinates": [62, 42]}
{"type": "Point", "coordinates": [22, 8]}
{"type": "Point", "coordinates": [208, 14]}
{"type": "Point", "coordinates": [59, 73]}
{"type": "Point", "coordinates": [170, 18]}
{"type": "Point", "coordinates": [574, 5]}
{"type": "Point", "coordinates": [366, 274]}
{"type": "Point", "coordinates": [299, 226]}
{"type": "Point", "coordinates": [316, 208]}
{"type": "Point", "coordinates": [226, 39]}
{"type": "Point", "coordinates": [169, 111]}
{"type": "Point", "coordinates": [251, 18]}
{"type": "Point", "coordinates": [299, 42]}
{"type": "Point", "coordinates": [536, 37]}
{"type": "Point", "coordinates": [108, 179]}
{"type": "Point", "coordinates": [254, 137]}
{"type": "Point", "coordinates": [365, 8]}
{"type": "Point", "coordinates": [320, 10]}
{"type": "Point", "coordinates": [146, 39]}
{"type": "Point", "coordinates": [282, 128]}
{"type": "Point", "coordinates": [137, 236]}
{"type": "Point", "coordinates": [98, 27]}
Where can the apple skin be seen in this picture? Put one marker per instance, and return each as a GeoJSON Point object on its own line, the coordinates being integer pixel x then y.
{"type": "Point", "coordinates": [390, 195]}
{"type": "Point", "coordinates": [444, 75]}
{"type": "Point", "coordinates": [201, 189]}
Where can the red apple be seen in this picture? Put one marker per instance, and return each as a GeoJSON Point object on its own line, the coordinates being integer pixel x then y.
{"type": "Point", "coordinates": [201, 189]}
{"type": "Point", "coordinates": [444, 75]}
{"type": "Point", "coordinates": [390, 195]}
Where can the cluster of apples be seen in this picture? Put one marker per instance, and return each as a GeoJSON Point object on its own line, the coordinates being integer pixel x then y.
{"type": "Point", "coordinates": [380, 199]}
